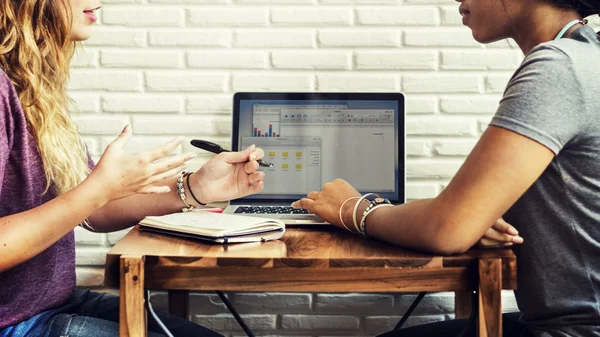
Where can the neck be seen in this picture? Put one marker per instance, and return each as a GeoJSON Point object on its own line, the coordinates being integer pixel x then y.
{"type": "Point", "coordinates": [542, 25]}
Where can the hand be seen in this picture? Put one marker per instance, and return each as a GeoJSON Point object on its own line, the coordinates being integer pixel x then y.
{"type": "Point", "coordinates": [229, 175]}
{"type": "Point", "coordinates": [326, 204]}
{"type": "Point", "coordinates": [501, 234]}
{"type": "Point", "coordinates": [123, 174]}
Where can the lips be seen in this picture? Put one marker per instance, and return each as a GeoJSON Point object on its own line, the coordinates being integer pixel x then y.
{"type": "Point", "coordinates": [463, 11]}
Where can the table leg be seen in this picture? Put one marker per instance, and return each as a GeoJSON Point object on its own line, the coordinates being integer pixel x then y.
{"type": "Point", "coordinates": [132, 314]}
{"type": "Point", "coordinates": [178, 303]}
{"type": "Point", "coordinates": [490, 298]}
{"type": "Point", "coordinates": [463, 303]}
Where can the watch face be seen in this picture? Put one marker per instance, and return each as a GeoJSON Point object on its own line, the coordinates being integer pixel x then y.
{"type": "Point", "coordinates": [379, 200]}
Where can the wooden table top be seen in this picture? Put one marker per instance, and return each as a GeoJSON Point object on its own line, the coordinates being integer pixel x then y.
{"type": "Point", "coordinates": [301, 253]}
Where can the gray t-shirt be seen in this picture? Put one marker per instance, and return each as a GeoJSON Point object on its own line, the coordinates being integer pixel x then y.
{"type": "Point", "coordinates": [554, 99]}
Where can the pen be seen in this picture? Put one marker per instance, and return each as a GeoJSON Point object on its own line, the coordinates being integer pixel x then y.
{"type": "Point", "coordinates": [216, 148]}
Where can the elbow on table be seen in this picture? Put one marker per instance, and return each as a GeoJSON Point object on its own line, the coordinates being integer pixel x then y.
{"type": "Point", "coordinates": [450, 240]}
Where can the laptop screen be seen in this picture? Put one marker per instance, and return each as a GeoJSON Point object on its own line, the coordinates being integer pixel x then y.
{"type": "Point", "coordinates": [314, 138]}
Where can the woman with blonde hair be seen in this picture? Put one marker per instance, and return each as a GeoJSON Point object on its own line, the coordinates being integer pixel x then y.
{"type": "Point", "coordinates": [49, 184]}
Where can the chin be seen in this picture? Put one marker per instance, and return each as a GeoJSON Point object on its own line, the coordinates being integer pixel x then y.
{"type": "Point", "coordinates": [81, 34]}
{"type": "Point", "coordinates": [485, 38]}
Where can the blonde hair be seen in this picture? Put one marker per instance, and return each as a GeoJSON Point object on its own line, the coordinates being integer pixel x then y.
{"type": "Point", "coordinates": [35, 52]}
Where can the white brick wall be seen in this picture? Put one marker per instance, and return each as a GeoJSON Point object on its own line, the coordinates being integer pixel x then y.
{"type": "Point", "coordinates": [170, 67]}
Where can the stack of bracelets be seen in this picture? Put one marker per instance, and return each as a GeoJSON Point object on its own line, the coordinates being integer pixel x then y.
{"type": "Point", "coordinates": [181, 191]}
{"type": "Point", "coordinates": [360, 225]}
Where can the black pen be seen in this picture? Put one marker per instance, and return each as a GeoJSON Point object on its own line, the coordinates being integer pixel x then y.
{"type": "Point", "coordinates": [216, 148]}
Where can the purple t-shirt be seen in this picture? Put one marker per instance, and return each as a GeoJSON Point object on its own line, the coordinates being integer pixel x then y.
{"type": "Point", "coordinates": [48, 279]}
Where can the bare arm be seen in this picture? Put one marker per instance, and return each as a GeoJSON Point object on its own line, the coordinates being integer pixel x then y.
{"type": "Point", "coordinates": [25, 235]}
{"type": "Point", "coordinates": [118, 175]}
{"type": "Point", "coordinates": [501, 167]}
{"type": "Point", "coordinates": [124, 213]}
{"type": "Point", "coordinates": [227, 176]}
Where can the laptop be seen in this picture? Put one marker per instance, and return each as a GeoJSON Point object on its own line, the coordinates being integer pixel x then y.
{"type": "Point", "coordinates": [314, 138]}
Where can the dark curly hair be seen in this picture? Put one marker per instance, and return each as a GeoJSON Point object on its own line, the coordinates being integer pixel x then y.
{"type": "Point", "coordinates": [583, 7]}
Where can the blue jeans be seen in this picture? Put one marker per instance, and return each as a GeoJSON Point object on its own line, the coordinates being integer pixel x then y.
{"type": "Point", "coordinates": [89, 314]}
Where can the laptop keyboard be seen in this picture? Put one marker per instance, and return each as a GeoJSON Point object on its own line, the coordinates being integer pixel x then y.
{"type": "Point", "coordinates": [270, 210]}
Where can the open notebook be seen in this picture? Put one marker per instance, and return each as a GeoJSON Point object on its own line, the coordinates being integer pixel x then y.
{"type": "Point", "coordinates": [215, 227]}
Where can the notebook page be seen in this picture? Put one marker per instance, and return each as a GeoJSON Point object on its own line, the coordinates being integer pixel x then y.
{"type": "Point", "coordinates": [217, 222]}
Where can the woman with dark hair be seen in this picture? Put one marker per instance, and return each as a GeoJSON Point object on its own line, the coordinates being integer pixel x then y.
{"type": "Point", "coordinates": [536, 165]}
{"type": "Point", "coordinates": [49, 185]}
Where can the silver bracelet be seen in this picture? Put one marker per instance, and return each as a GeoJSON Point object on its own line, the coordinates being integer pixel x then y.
{"type": "Point", "coordinates": [181, 191]}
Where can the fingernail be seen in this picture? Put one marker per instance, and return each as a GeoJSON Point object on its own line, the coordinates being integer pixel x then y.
{"type": "Point", "coordinates": [252, 157]}
{"type": "Point", "coordinates": [127, 127]}
{"type": "Point", "coordinates": [251, 146]}
{"type": "Point", "coordinates": [518, 239]}
{"type": "Point", "coordinates": [513, 231]}
{"type": "Point", "coordinates": [191, 156]}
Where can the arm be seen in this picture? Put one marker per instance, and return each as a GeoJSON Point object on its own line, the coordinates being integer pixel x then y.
{"type": "Point", "coordinates": [502, 166]}
{"type": "Point", "coordinates": [118, 175]}
{"type": "Point", "coordinates": [227, 176]}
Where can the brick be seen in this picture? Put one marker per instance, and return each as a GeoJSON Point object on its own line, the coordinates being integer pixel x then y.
{"type": "Point", "coordinates": [142, 104]}
{"type": "Point", "coordinates": [487, 59]}
{"type": "Point", "coordinates": [85, 102]}
{"type": "Point", "coordinates": [140, 143]}
{"type": "Point", "coordinates": [190, 38]}
{"type": "Point", "coordinates": [85, 58]}
{"type": "Point", "coordinates": [325, 322]}
{"type": "Point", "coordinates": [382, 324]}
{"type": "Point", "coordinates": [311, 60]}
{"type": "Point", "coordinates": [227, 322]}
{"type": "Point", "coordinates": [101, 125]}
{"type": "Point", "coordinates": [441, 83]}
{"type": "Point", "coordinates": [209, 104]}
{"type": "Point", "coordinates": [431, 304]}
{"type": "Point", "coordinates": [357, 83]}
{"type": "Point", "coordinates": [397, 60]}
{"type": "Point", "coordinates": [85, 237]}
{"type": "Point", "coordinates": [117, 37]}
{"type": "Point", "coordinates": [470, 104]}
{"type": "Point", "coordinates": [141, 59]}
{"type": "Point", "coordinates": [418, 148]}
{"type": "Point", "coordinates": [90, 256]}
{"type": "Point", "coordinates": [354, 303]}
{"type": "Point", "coordinates": [440, 37]}
{"type": "Point", "coordinates": [437, 126]}
{"type": "Point", "coordinates": [401, 15]}
{"type": "Point", "coordinates": [143, 16]}
{"type": "Point", "coordinates": [421, 104]}
{"type": "Point", "coordinates": [90, 277]}
{"type": "Point", "coordinates": [266, 82]}
{"type": "Point", "coordinates": [497, 83]}
{"type": "Point", "coordinates": [311, 16]}
{"type": "Point", "coordinates": [227, 60]}
{"type": "Point", "coordinates": [273, 38]}
{"type": "Point", "coordinates": [354, 38]}
{"type": "Point", "coordinates": [264, 303]}
{"type": "Point", "coordinates": [174, 125]}
{"type": "Point", "coordinates": [186, 82]}
{"type": "Point", "coordinates": [228, 17]}
{"type": "Point", "coordinates": [106, 80]}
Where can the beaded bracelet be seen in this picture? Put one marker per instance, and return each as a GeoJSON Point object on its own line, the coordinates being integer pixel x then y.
{"type": "Point", "coordinates": [356, 208]}
{"type": "Point", "coordinates": [363, 222]}
{"type": "Point", "coordinates": [181, 191]}
{"type": "Point", "coordinates": [192, 192]}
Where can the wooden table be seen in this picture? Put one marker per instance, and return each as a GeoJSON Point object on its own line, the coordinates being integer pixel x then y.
{"type": "Point", "coordinates": [304, 260]}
